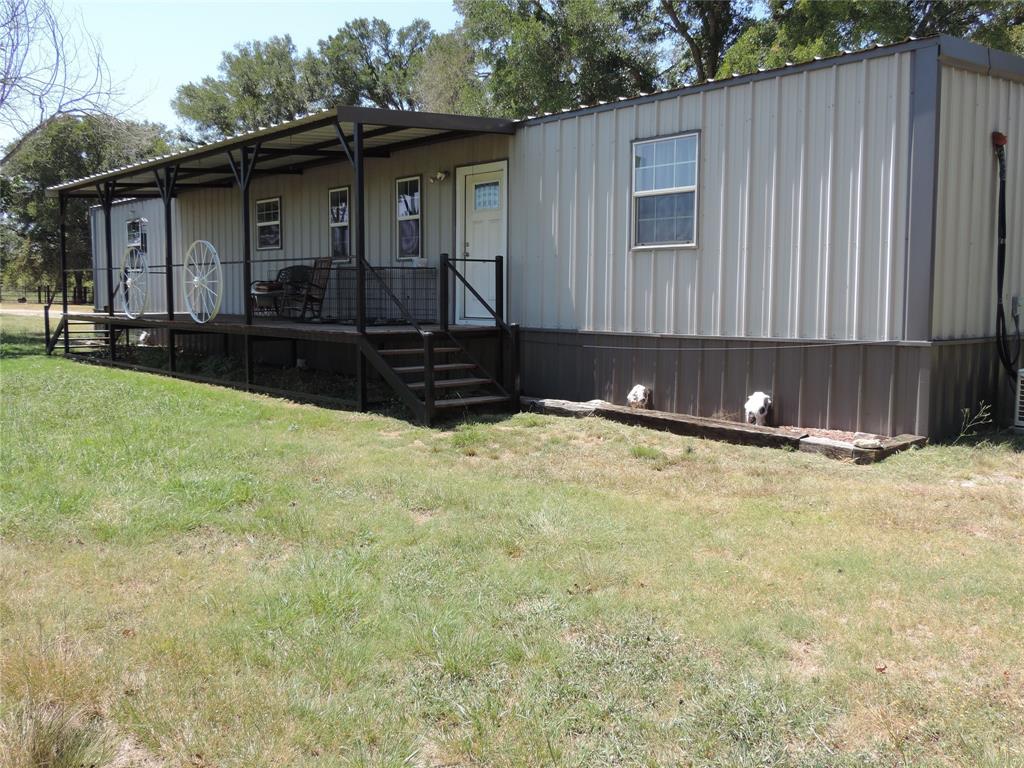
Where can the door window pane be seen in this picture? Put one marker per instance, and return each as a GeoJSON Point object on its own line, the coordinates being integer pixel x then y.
{"type": "Point", "coordinates": [487, 196]}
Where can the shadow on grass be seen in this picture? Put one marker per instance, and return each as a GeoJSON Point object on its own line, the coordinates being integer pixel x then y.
{"type": "Point", "coordinates": [20, 342]}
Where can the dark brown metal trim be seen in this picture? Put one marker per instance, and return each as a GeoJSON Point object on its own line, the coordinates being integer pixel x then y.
{"type": "Point", "coordinates": [427, 120]}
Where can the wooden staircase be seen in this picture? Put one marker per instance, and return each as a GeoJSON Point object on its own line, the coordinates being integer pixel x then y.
{"type": "Point", "coordinates": [434, 373]}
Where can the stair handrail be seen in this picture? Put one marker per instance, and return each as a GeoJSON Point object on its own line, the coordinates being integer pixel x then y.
{"type": "Point", "coordinates": [497, 261]}
{"type": "Point", "coordinates": [511, 330]}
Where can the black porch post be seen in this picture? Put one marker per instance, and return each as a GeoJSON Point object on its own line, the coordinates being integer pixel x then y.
{"type": "Point", "coordinates": [64, 266]}
{"type": "Point", "coordinates": [360, 217]}
{"type": "Point", "coordinates": [107, 200]}
{"type": "Point", "coordinates": [243, 175]}
{"type": "Point", "coordinates": [107, 195]}
{"type": "Point", "coordinates": [166, 184]}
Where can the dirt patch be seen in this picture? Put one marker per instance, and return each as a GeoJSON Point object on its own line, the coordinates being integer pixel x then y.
{"type": "Point", "coordinates": [433, 755]}
{"type": "Point", "coordinates": [805, 659]}
{"type": "Point", "coordinates": [422, 515]}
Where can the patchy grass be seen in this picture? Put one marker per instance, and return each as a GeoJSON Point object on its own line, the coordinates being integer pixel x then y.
{"type": "Point", "coordinates": [197, 576]}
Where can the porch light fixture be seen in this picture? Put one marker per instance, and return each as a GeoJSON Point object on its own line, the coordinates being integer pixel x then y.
{"type": "Point", "coordinates": [438, 176]}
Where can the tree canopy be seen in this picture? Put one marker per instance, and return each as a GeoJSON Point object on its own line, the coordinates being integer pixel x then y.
{"type": "Point", "coordinates": [799, 30]}
{"type": "Point", "coordinates": [365, 62]}
{"type": "Point", "coordinates": [65, 147]}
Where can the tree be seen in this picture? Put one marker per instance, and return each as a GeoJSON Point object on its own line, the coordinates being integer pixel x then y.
{"type": "Point", "coordinates": [546, 55]}
{"type": "Point", "coordinates": [798, 30]}
{"type": "Point", "coordinates": [64, 147]}
{"type": "Point", "coordinates": [449, 80]}
{"type": "Point", "coordinates": [259, 83]}
{"type": "Point", "coordinates": [51, 66]}
{"type": "Point", "coordinates": [368, 62]}
{"type": "Point", "coordinates": [704, 31]}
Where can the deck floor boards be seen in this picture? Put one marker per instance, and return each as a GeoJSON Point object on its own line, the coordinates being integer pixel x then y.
{"type": "Point", "coordinates": [270, 327]}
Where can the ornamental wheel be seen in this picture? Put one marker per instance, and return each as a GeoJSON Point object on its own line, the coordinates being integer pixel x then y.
{"type": "Point", "coordinates": [134, 282]}
{"type": "Point", "coordinates": [204, 281]}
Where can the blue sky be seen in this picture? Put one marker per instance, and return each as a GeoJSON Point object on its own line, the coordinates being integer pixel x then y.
{"type": "Point", "coordinates": [154, 46]}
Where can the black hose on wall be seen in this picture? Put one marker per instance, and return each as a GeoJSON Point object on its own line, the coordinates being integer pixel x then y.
{"type": "Point", "coordinates": [1006, 357]}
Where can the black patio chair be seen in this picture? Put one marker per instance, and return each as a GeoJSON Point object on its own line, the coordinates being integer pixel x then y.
{"type": "Point", "coordinates": [271, 297]}
{"type": "Point", "coordinates": [309, 300]}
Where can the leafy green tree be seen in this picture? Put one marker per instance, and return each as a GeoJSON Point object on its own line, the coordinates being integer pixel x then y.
{"type": "Point", "coordinates": [798, 30]}
{"type": "Point", "coordinates": [65, 147]}
{"type": "Point", "coordinates": [259, 83]}
{"type": "Point", "coordinates": [545, 55]}
{"type": "Point", "coordinates": [449, 80]}
{"type": "Point", "coordinates": [701, 31]}
{"type": "Point", "coordinates": [369, 62]}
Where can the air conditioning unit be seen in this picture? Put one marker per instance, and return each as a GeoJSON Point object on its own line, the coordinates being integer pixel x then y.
{"type": "Point", "coordinates": [1018, 411]}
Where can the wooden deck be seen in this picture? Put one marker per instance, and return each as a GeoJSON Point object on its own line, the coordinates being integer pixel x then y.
{"type": "Point", "coordinates": [265, 327]}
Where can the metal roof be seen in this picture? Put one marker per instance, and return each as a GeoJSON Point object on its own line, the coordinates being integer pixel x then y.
{"type": "Point", "coordinates": [288, 147]}
{"type": "Point", "coordinates": [291, 146]}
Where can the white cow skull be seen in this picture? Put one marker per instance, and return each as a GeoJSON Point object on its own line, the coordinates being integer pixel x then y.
{"type": "Point", "coordinates": [757, 407]}
{"type": "Point", "coordinates": [639, 396]}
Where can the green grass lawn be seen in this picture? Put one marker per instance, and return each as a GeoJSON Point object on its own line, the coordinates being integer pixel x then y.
{"type": "Point", "coordinates": [192, 575]}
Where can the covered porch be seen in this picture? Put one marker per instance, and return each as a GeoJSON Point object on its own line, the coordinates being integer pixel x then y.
{"type": "Point", "coordinates": [253, 282]}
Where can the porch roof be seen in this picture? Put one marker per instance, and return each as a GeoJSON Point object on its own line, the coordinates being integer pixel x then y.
{"type": "Point", "coordinates": [288, 147]}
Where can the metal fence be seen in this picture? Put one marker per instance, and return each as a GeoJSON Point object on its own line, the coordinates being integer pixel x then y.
{"type": "Point", "coordinates": [415, 287]}
{"type": "Point", "coordinates": [44, 294]}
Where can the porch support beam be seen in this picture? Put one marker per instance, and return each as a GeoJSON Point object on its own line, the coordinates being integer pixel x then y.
{"type": "Point", "coordinates": [423, 141]}
{"type": "Point", "coordinates": [106, 194]}
{"type": "Point", "coordinates": [107, 190]}
{"type": "Point", "coordinates": [166, 179]}
{"type": "Point", "coordinates": [243, 175]}
{"type": "Point", "coordinates": [358, 158]}
{"type": "Point", "coordinates": [63, 267]}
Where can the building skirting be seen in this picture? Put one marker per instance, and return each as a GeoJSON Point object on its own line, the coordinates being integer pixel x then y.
{"type": "Point", "coordinates": [886, 388]}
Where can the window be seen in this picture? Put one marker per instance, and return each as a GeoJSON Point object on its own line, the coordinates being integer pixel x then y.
{"type": "Point", "coordinates": [487, 196]}
{"type": "Point", "coordinates": [268, 224]}
{"type": "Point", "coordinates": [665, 191]}
{"type": "Point", "coordinates": [337, 219]}
{"type": "Point", "coordinates": [136, 232]}
{"type": "Point", "coordinates": [410, 231]}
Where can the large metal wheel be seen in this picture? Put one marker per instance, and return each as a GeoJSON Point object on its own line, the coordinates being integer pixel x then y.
{"type": "Point", "coordinates": [204, 281]}
{"type": "Point", "coordinates": [134, 281]}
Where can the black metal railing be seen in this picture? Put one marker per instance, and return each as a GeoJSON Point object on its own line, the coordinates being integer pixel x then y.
{"type": "Point", "coordinates": [510, 331]}
{"type": "Point", "coordinates": [394, 295]}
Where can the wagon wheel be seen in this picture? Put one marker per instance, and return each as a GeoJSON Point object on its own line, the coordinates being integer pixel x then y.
{"type": "Point", "coordinates": [204, 281]}
{"type": "Point", "coordinates": [134, 281]}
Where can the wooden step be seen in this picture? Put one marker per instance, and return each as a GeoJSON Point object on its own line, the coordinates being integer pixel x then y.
{"type": "Point", "coordinates": [415, 351]}
{"type": "Point", "coordinates": [452, 383]}
{"type": "Point", "coordinates": [437, 367]}
{"type": "Point", "coordinates": [465, 402]}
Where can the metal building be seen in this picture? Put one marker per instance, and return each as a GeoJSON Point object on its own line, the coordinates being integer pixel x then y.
{"type": "Point", "coordinates": [825, 232]}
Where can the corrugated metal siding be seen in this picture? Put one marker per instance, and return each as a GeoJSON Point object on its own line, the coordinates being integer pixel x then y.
{"type": "Point", "coordinates": [878, 388]}
{"type": "Point", "coordinates": [801, 220]}
{"type": "Point", "coordinates": [972, 106]}
{"type": "Point", "coordinates": [214, 215]}
{"type": "Point", "coordinates": [120, 215]}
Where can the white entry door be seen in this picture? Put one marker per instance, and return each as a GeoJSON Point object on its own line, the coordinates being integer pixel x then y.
{"type": "Point", "coordinates": [481, 233]}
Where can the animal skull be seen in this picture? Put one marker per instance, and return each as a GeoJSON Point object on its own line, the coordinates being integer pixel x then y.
{"type": "Point", "coordinates": [757, 407]}
{"type": "Point", "coordinates": [639, 396]}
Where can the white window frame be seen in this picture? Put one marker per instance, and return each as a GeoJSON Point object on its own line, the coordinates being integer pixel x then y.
{"type": "Point", "coordinates": [416, 217]}
{"type": "Point", "coordinates": [634, 194]}
{"type": "Point", "coordinates": [346, 225]}
{"type": "Point", "coordinates": [280, 226]}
